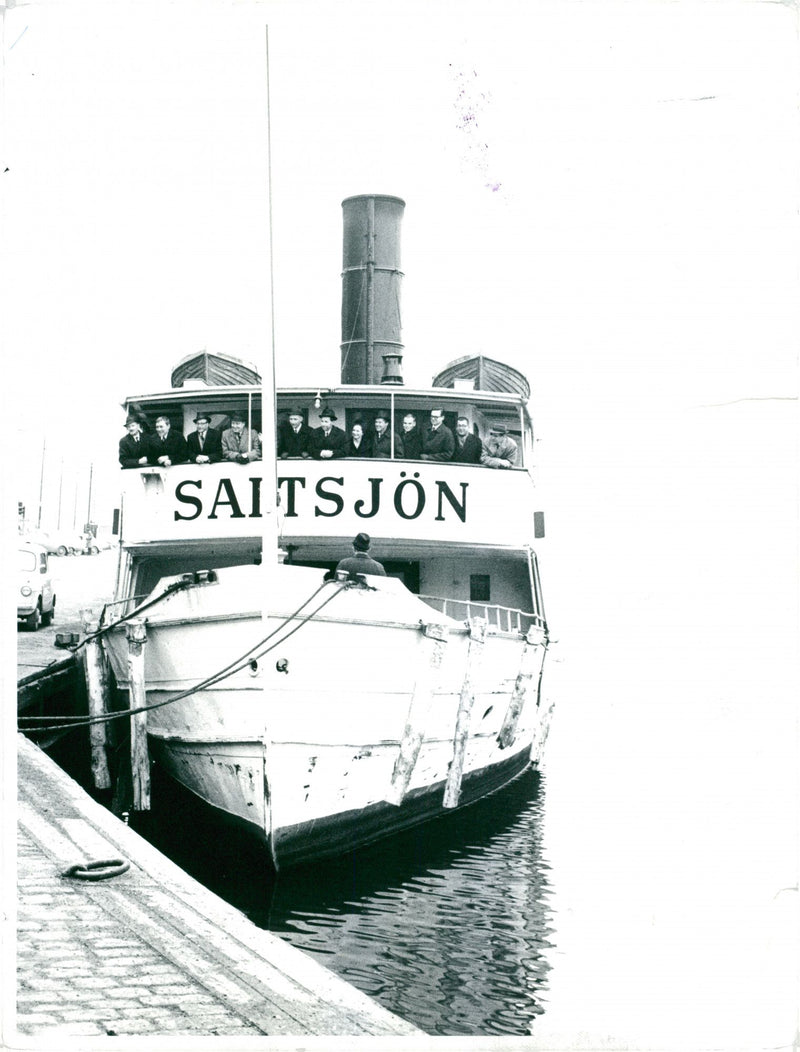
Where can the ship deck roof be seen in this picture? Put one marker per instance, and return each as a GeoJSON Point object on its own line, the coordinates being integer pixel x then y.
{"type": "Point", "coordinates": [371, 391]}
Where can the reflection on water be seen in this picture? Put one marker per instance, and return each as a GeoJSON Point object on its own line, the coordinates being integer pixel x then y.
{"type": "Point", "coordinates": [446, 925]}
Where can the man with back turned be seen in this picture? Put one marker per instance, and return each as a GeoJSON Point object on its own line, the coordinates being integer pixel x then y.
{"type": "Point", "coordinates": [361, 561]}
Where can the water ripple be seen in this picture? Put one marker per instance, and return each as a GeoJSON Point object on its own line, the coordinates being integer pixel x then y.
{"type": "Point", "coordinates": [445, 925]}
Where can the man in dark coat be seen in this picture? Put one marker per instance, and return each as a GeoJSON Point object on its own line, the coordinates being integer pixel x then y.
{"type": "Point", "coordinates": [133, 447]}
{"type": "Point", "coordinates": [412, 438]}
{"type": "Point", "coordinates": [167, 447]}
{"type": "Point", "coordinates": [468, 446]}
{"type": "Point", "coordinates": [328, 441]}
{"type": "Point", "coordinates": [294, 437]}
{"type": "Point", "coordinates": [361, 561]}
{"type": "Point", "coordinates": [382, 438]}
{"type": "Point", "coordinates": [437, 440]}
{"type": "Point", "coordinates": [204, 444]}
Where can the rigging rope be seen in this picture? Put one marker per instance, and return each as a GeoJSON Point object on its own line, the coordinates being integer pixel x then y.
{"type": "Point", "coordinates": [176, 586]}
{"type": "Point", "coordinates": [70, 722]}
{"type": "Point", "coordinates": [355, 318]}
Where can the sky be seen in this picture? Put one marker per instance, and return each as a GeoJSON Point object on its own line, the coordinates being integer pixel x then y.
{"type": "Point", "coordinates": [600, 194]}
{"type": "Point", "coordinates": [603, 194]}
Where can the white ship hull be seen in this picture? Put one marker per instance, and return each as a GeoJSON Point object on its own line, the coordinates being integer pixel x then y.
{"type": "Point", "coordinates": [360, 720]}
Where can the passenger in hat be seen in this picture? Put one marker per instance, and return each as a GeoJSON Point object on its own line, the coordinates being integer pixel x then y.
{"type": "Point", "coordinates": [294, 437]}
{"type": "Point", "coordinates": [499, 449]}
{"type": "Point", "coordinates": [133, 446]}
{"type": "Point", "coordinates": [167, 447]}
{"type": "Point", "coordinates": [205, 443]}
{"type": "Point", "coordinates": [328, 442]}
{"type": "Point", "coordinates": [382, 438]}
{"type": "Point", "coordinates": [239, 443]}
{"type": "Point", "coordinates": [361, 561]}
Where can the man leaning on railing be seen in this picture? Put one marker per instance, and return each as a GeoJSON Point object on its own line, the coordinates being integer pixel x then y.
{"type": "Point", "coordinates": [239, 443]}
{"type": "Point", "coordinates": [499, 449]}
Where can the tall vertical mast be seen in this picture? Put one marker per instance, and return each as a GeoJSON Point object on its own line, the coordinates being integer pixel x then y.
{"type": "Point", "coordinates": [268, 400]}
{"type": "Point", "coordinates": [370, 275]}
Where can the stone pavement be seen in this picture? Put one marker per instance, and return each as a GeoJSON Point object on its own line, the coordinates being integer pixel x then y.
{"type": "Point", "coordinates": [149, 952]}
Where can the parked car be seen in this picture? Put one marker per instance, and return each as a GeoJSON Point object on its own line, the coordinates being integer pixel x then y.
{"type": "Point", "coordinates": [57, 542]}
{"type": "Point", "coordinates": [36, 602]}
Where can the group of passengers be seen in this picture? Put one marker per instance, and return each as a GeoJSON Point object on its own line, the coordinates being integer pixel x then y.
{"type": "Point", "coordinates": [240, 444]}
{"type": "Point", "coordinates": [206, 445]}
{"type": "Point", "coordinates": [435, 442]}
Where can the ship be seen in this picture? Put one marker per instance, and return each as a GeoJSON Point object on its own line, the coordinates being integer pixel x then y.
{"type": "Point", "coordinates": [317, 708]}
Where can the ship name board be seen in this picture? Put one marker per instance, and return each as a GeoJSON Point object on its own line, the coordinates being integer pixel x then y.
{"type": "Point", "coordinates": [408, 498]}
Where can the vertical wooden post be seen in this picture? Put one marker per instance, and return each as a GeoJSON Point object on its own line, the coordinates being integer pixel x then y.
{"type": "Point", "coordinates": [416, 720]}
{"type": "Point", "coordinates": [136, 633]}
{"type": "Point", "coordinates": [521, 686]}
{"type": "Point", "coordinates": [96, 672]}
{"type": "Point", "coordinates": [477, 638]}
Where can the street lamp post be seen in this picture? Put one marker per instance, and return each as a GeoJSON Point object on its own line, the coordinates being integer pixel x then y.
{"type": "Point", "coordinates": [60, 489]}
{"type": "Point", "coordinates": [41, 486]}
{"type": "Point", "coordinates": [89, 506]}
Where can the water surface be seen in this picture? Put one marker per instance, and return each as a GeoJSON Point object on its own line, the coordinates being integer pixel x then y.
{"type": "Point", "coordinates": [446, 925]}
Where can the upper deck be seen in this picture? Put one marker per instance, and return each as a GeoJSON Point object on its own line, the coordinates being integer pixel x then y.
{"type": "Point", "coordinates": [351, 402]}
{"type": "Point", "coordinates": [412, 504]}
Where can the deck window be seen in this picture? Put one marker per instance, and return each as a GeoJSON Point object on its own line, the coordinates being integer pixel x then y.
{"type": "Point", "coordinates": [479, 588]}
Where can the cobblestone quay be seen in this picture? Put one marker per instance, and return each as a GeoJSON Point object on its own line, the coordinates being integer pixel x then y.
{"type": "Point", "coordinates": [149, 952]}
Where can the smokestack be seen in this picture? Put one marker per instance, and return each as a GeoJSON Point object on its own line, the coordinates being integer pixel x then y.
{"type": "Point", "coordinates": [371, 349]}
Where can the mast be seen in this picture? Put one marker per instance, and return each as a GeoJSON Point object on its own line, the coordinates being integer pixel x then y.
{"type": "Point", "coordinates": [370, 275]}
{"type": "Point", "coordinates": [269, 407]}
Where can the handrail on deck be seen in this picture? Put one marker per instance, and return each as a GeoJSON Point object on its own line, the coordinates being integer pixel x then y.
{"type": "Point", "coordinates": [505, 618]}
{"type": "Point", "coordinates": [121, 602]}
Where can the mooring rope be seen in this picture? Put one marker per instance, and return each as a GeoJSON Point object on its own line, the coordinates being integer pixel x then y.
{"type": "Point", "coordinates": [186, 582]}
{"type": "Point", "coordinates": [253, 654]}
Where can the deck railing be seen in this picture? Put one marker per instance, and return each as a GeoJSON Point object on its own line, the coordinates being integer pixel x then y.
{"type": "Point", "coordinates": [503, 618]}
{"type": "Point", "coordinates": [117, 608]}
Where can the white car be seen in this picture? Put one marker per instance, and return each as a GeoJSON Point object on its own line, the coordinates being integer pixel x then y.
{"type": "Point", "coordinates": [57, 542]}
{"type": "Point", "coordinates": [36, 601]}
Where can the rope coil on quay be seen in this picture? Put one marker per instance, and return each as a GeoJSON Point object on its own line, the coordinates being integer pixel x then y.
{"type": "Point", "coordinates": [38, 723]}
{"type": "Point", "coordinates": [101, 869]}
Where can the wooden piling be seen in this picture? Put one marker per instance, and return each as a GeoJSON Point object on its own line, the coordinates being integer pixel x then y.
{"type": "Point", "coordinates": [455, 773]}
{"type": "Point", "coordinates": [136, 633]}
{"type": "Point", "coordinates": [521, 687]}
{"type": "Point", "coordinates": [416, 720]}
{"type": "Point", "coordinates": [97, 675]}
